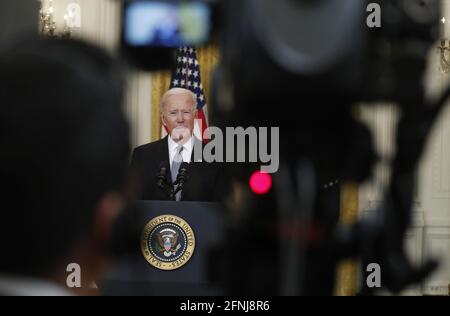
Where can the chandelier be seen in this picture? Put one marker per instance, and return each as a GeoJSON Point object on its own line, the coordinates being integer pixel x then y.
{"type": "Point", "coordinates": [47, 24]}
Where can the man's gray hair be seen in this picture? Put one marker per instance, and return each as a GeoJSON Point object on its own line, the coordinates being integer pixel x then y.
{"type": "Point", "coordinates": [175, 91]}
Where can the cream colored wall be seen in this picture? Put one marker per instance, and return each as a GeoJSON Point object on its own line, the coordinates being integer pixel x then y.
{"type": "Point", "coordinates": [100, 24]}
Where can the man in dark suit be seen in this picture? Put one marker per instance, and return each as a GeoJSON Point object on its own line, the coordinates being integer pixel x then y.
{"type": "Point", "coordinates": [178, 112]}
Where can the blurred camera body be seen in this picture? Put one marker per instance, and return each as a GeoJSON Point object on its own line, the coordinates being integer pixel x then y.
{"type": "Point", "coordinates": [302, 66]}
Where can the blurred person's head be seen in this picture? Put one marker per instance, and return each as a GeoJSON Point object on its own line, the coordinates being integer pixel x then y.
{"type": "Point", "coordinates": [63, 157]}
{"type": "Point", "coordinates": [178, 112]}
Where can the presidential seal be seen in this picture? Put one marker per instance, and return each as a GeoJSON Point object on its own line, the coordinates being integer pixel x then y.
{"type": "Point", "coordinates": [168, 242]}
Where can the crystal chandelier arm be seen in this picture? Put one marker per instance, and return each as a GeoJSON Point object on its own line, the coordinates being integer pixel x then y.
{"type": "Point", "coordinates": [445, 64]}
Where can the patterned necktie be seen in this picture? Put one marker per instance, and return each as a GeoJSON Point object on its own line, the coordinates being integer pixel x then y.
{"type": "Point", "coordinates": [177, 160]}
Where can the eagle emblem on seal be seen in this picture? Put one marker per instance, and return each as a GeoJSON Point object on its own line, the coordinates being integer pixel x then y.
{"type": "Point", "coordinates": [167, 239]}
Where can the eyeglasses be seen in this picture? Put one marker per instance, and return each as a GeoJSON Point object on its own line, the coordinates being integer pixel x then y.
{"type": "Point", "coordinates": [184, 113]}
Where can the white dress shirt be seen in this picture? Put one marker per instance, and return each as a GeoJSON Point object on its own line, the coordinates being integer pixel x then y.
{"type": "Point", "coordinates": [186, 153]}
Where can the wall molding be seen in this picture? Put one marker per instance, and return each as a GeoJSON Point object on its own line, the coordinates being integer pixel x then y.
{"type": "Point", "coordinates": [437, 222]}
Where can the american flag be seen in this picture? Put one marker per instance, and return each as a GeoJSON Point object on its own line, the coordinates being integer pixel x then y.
{"type": "Point", "coordinates": [187, 76]}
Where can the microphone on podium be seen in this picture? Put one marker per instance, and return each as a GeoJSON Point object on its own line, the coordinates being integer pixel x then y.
{"type": "Point", "coordinates": [162, 177]}
{"type": "Point", "coordinates": [182, 178]}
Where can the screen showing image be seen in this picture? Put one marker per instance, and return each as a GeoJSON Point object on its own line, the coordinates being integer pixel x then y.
{"type": "Point", "coordinates": [162, 24]}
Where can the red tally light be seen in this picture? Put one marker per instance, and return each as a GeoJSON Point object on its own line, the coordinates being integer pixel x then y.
{"type": "Point", "coordinates": [260, 182]}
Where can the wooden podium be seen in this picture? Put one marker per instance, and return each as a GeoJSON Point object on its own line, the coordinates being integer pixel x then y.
{"type": "Point", "coordinates": [132, 274]}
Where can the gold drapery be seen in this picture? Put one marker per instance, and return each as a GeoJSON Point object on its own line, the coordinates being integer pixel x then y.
{"type": "Point", "coordinates": [208, 57]}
